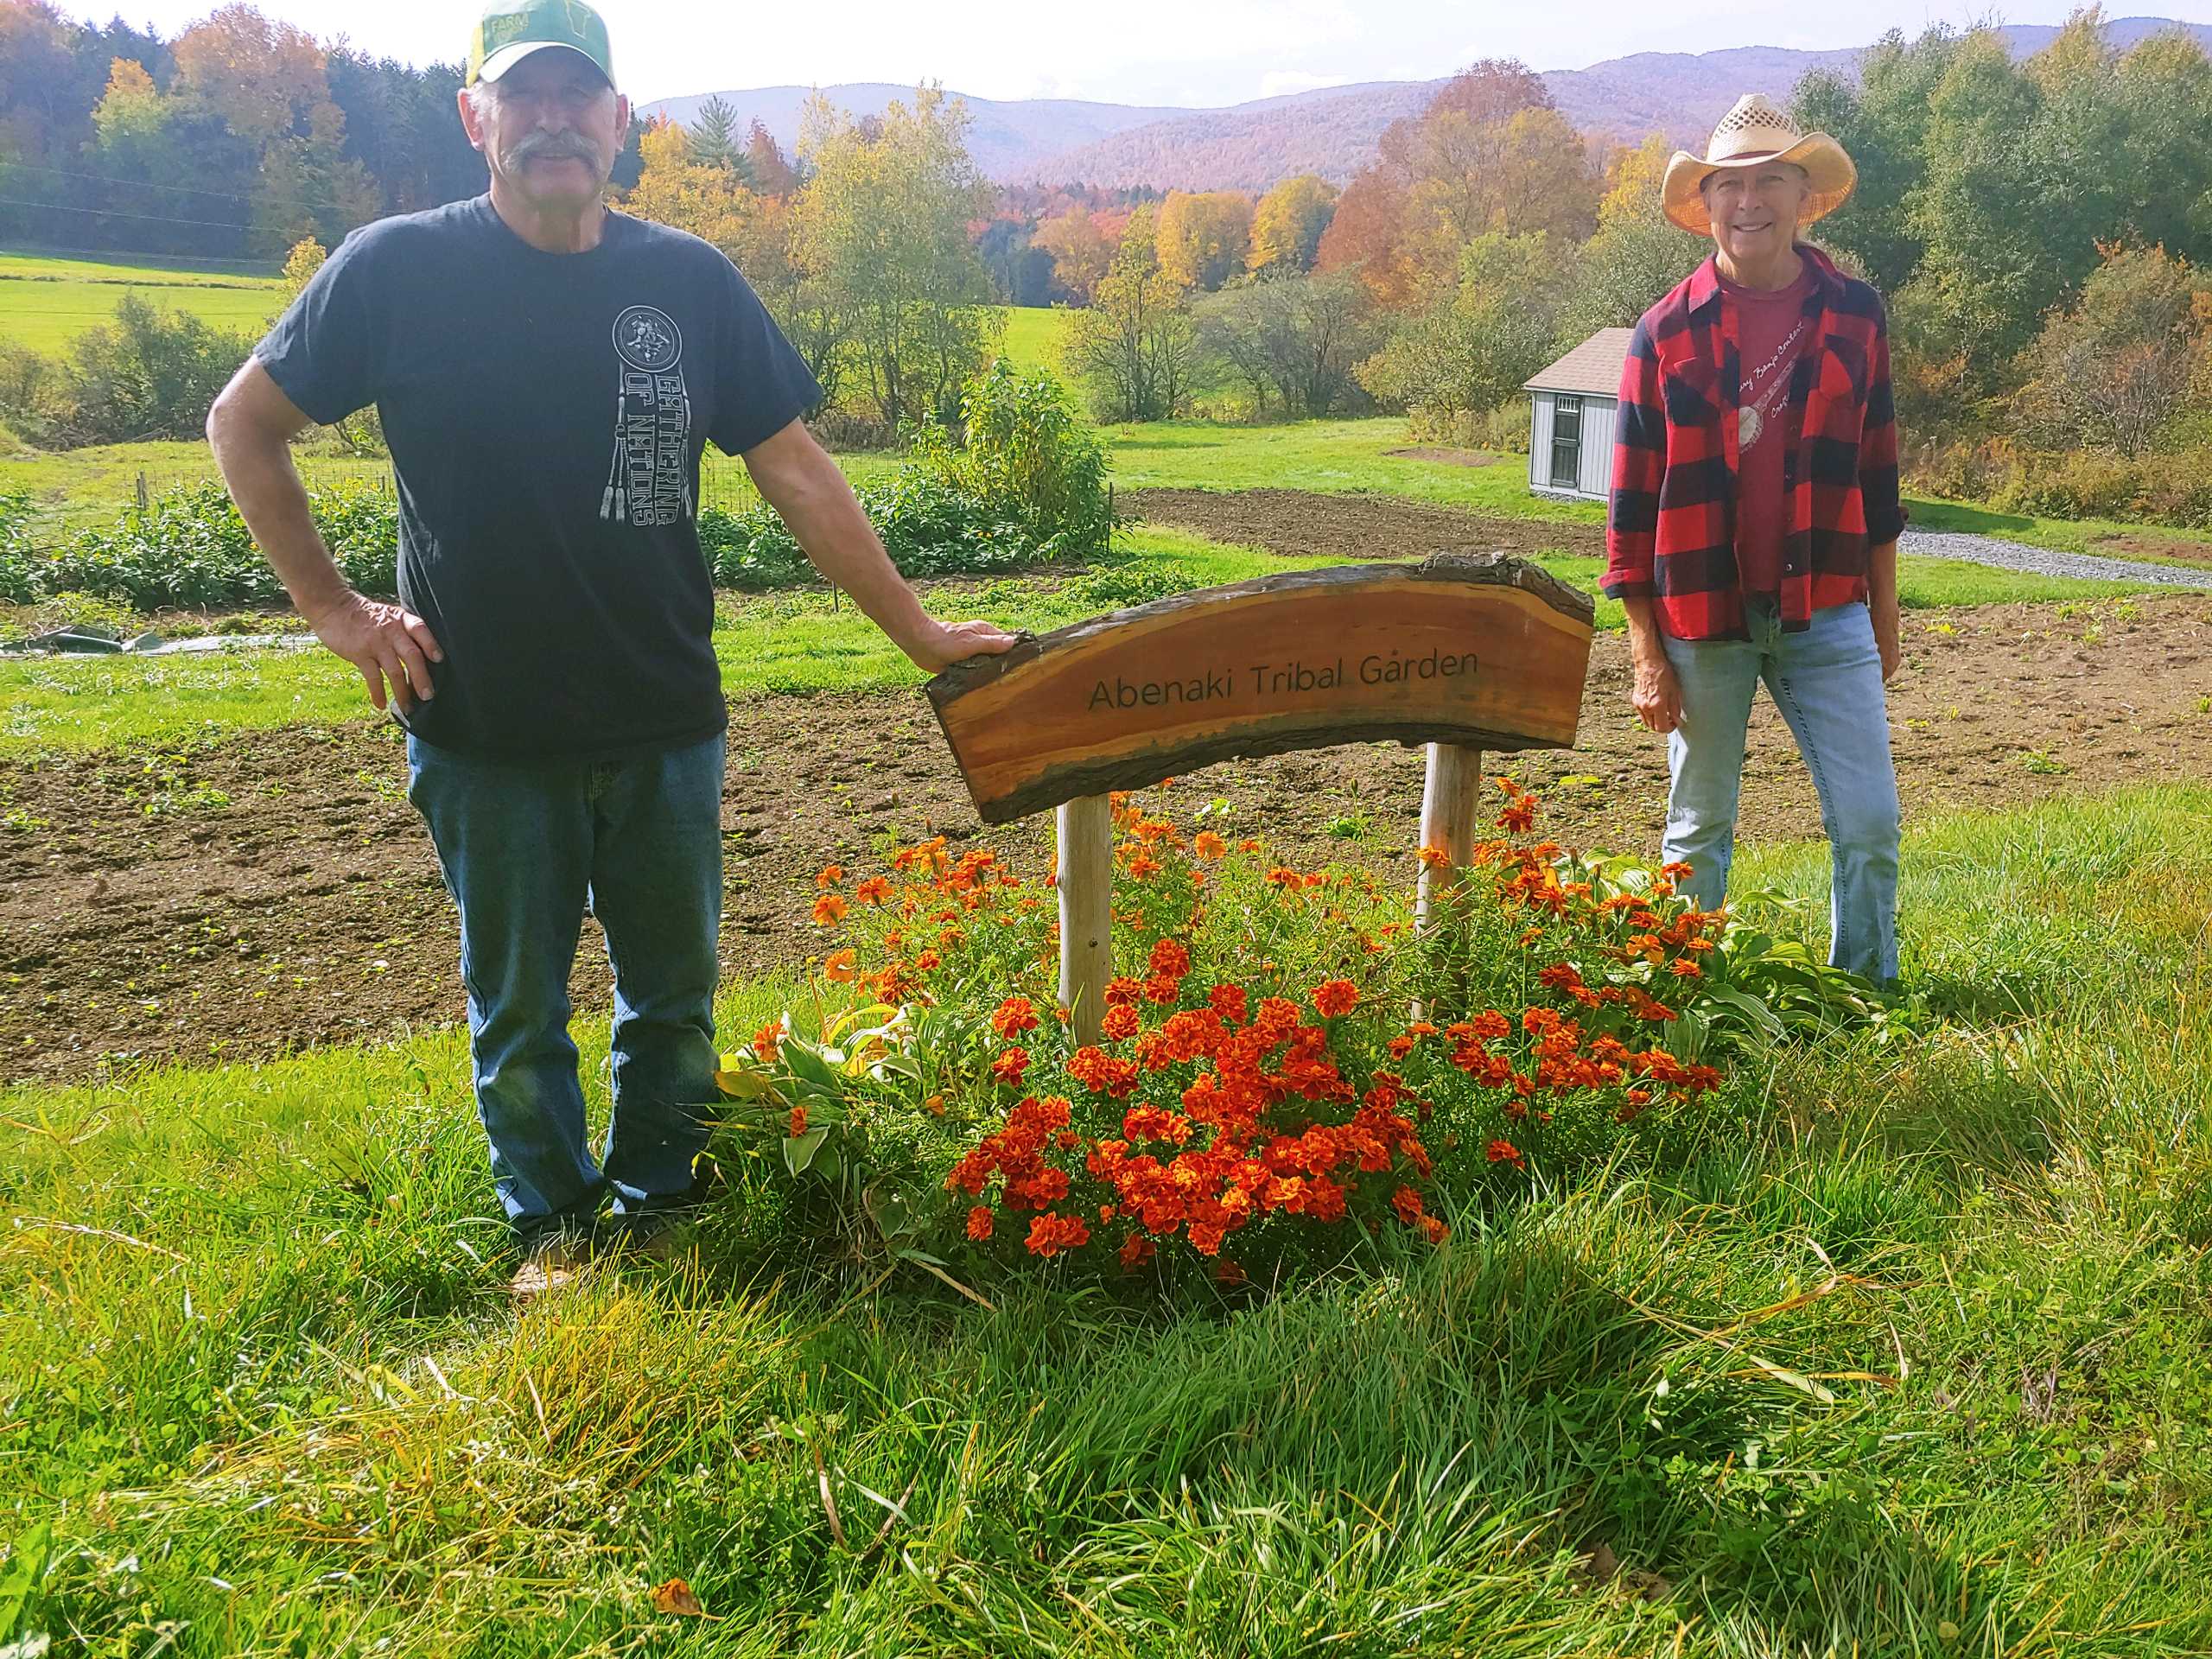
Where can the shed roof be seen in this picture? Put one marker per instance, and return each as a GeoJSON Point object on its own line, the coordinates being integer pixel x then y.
{"type": "Point", "coordinates": [1592, 368]}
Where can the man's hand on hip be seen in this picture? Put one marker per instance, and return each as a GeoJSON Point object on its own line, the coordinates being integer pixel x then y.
{"type": "Point", "coordinates": [388, 643]}
{"type": "Point", "coordinates": [939, 645]}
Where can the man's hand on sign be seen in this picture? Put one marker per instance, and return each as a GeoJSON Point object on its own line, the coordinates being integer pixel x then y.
{"type": "Point", "coordinates": [388, 643]}
{"type": "Point", "coordinates": [939, 645]}
{"type": "Point", "coordinates": [1657, 694]}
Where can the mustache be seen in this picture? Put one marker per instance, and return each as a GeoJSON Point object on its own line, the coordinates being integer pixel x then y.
{"type": "Point", "coordinates": [551, 146]}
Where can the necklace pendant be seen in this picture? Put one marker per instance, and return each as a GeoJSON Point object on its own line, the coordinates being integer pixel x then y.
{"type": "Point", "coordinates": [1749, 425]}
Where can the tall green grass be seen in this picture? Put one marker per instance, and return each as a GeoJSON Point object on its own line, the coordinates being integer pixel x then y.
{"type": "Point", "coordinates": [1908, 1352]}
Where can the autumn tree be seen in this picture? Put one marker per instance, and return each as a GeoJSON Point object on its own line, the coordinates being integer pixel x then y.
{"type": "Point", "coordinates": [883, 225]}
{"type": "Point", "coordinates": [1288, 224]}
{"type": "Point", "coordinates": [2114, 370]}
{"type": "Point", "coordinates": [1294, 339]}
{"type": "Point", "coordinates": [1203, 237]}
{"type": "Point", "coordinates": [766, 164]}
{"type": "Point", "coordinates": [1080, 250]}
{"type": "Point", "coordinates": [1472, 348]}
{"type": "Point", "coordinates": [1637, 253]}
{"type": "Point", "coordinates": [1490, 154]}
{"type": "Point", "coordinates": [676, 188]}
{"type": "Point", "coordinates": [1134, 348]}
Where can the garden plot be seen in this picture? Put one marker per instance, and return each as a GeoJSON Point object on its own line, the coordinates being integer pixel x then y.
{"type": "Point", "coordinates": [273, 890]}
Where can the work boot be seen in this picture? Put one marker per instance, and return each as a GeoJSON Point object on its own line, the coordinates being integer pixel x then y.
{"type": "Point", "coordinates": [550, 1263]}
{"type": "Point", "coordinates": [652, 1236]}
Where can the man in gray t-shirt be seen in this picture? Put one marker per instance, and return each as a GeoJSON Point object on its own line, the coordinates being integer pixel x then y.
{"type": "Point", "coordinates": [548, 373]}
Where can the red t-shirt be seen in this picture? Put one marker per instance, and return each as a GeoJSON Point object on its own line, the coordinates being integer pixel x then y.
{"type": "Point", "coordinates": [1771, 329]}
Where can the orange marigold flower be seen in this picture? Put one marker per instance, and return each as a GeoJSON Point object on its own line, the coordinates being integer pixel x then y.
{"type": "Point", "coordinates": [934, 1105]}
{"type": "Point", "coordinates": [828, 910]}
{"type": "Point", "coordinates": [1683, 968]}
{"type": "Point", "coordinates": [1336, 996]}
{"type": "Point", "coordinates": [1285, 878]}
{"type": "Point", "coordinates": [1676, 871]}
{"type": "Point", "coordinates": [1434, 1229]}
{"type": "Point", "coordinates": [929, 962]}
{"type": "Point", "coordinates": [1009, 1066]}
{"type": "Point", "coordinates": [1207, 845]}
{"type": "Point", "coordinates": [1406, 1203]}
{"type": "Point", "coordinates": [874, 891]}
{"type": "Point", "coordinates": [1228, 1001]}
{"type": "Point", "coordinates": [839, 969]}
{"type": "Point", "coordinates": [1014, 1016]}
{"type": "Point", "coordinates": [1171, 959]}
{"type": "Point", "coordinates": [1120, 1024]}
{"type": "Point", "coordinates": [1505, 1152]}
{"type": "Point", "coordinates": [767, 1041]}
{"type": "Point", "coordinates": [798, 1120]}
{"type": "Point", "coordinates": [830, 875]}
{"type": "Point", "coordinates": [1050, 1234]}
{"type": "Point", "coordinates": [1436, 858]}
{"type": "Point", "coordinates": [1136, 1251]}
{"type": "Point", "coordinates": [1400, 1046]}
{"type": "Point", "coordinates": [981, 1222]}
{"type": "Point", "coordinates": [1121, 989]}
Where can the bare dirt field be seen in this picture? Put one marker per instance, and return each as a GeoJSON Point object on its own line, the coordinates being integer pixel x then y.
{"type": "Point", "coordinates": [275, 890]}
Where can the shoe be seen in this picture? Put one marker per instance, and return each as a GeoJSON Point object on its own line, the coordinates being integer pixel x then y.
{"type": "Point", "coordinates": [653, 1236]}
{"type": "Point", "coordinates": [550, 1264]}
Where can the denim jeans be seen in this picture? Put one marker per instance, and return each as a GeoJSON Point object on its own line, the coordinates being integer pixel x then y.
{"type": "Point", "coordinates": [525, 848]}
{"type": "Point", "coordinates": [1826, 681]}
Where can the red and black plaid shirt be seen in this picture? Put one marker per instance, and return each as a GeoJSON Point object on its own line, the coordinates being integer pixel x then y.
{"type": "Point", "coordinates": [1671, 534]}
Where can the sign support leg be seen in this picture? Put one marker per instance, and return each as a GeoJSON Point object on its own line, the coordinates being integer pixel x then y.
{"type": "Point", "coordinates": [1448, 804]}
{"type": "Point", "coordinates": [1086, 842]}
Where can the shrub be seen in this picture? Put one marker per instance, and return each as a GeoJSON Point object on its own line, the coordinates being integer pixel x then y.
{"type": "Point", "coordinates": [149, 374]}
{"type": "Point", "coordinates": [1025, 454]}
{"type": "Point", "coordinates": [189, 548]}
{"type": "Point", "coordinates": [19, 578]}
{"type": "Point", "coordinates": [1261, 1098]}
{"type": "Point", "coordinates": [2172, 488]}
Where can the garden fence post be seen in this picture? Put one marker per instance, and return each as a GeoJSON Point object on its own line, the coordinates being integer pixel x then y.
{"type": "Point", "coordinates": [1086, 877]}
{"type": "Point", "coordinates": [1448, 804]}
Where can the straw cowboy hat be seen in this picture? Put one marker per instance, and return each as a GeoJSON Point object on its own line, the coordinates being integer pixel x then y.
{"type": "Point", "coordinates": [1754, 132]}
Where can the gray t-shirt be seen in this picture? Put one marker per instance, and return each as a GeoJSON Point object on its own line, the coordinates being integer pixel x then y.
{"type": "Point", "coordinates": [546, 414]}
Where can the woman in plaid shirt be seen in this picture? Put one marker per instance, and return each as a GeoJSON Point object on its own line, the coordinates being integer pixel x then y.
{"type": "Point", "coordinates": [1755, 515]}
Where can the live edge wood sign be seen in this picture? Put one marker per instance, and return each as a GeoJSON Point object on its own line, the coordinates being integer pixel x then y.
{"type": "Point", "coordinates": [1463, 652]}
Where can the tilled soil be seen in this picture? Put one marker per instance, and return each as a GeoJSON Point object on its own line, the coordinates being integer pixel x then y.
{"type": "Point", "coordinates": [275, 890]}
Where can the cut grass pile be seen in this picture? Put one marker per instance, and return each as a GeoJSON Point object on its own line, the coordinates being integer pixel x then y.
{"type": "Point", "coordinates": [1907, 1353]}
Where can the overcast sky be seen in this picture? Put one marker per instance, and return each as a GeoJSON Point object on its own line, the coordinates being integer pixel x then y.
{"type": "Point", "coordinates": [1177, 52]}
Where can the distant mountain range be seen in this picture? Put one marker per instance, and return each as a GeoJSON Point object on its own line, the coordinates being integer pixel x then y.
{"type": "Point", "coordinates": [1332, 131]}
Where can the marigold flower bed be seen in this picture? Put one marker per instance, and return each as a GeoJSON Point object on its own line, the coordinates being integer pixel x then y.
{"type": "Point", "coordinates": [1262, 1092]}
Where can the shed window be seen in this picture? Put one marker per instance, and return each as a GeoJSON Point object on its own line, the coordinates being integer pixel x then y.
{"type": "Point", "coordinates": [1567, 442]}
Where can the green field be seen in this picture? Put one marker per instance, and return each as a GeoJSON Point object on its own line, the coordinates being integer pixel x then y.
{"type": "Point", "coordinates": [1906, 1353]}
{"type": "Point", "coordinates": [47, 302]}
{"type": "Point", "coordinates": [1033, 335]}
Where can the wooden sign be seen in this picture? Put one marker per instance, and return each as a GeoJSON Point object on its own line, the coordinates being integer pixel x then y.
{"type": "Point", "coordinates": [1478, 651]}
{"type": "Point", "coordinates": [1461, 651]}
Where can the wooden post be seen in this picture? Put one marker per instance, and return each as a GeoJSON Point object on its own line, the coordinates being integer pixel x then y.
{"type": "Point", "coordinates": [1086, 835]}
{"type": "Point", "coordinates": [1448, 804]}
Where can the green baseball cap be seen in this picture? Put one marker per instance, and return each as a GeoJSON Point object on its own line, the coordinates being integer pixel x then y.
{"type": "Point", "coordinates": [510, 30]}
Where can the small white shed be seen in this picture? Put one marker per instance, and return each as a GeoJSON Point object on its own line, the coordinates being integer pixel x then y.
{"type": "Point", "coordinates": [1572, 405]}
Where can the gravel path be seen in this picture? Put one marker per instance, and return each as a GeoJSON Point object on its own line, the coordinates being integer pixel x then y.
{"type": "Point", "coordinates": [2041, 561]}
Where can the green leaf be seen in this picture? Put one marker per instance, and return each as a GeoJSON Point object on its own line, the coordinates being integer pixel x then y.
{"type": "Point", "coordinates": [799, 1150]}
{"type": "Point", "coordinates": [26, 1561]}
{"type": "Point", "coordinates": [1750, 1006]}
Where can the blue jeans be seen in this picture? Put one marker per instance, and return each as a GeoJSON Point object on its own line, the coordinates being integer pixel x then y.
{"type": "Point", "coordinates": [524, 847]}
{"type": "Point", "coordinates": [1826, 681]}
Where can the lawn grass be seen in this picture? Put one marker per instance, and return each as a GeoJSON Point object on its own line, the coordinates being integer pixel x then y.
{"type": "Point", "coordinates": [263, 1393]}
{"type": "Point", "coordinates": [46, 312]}
{"type": "Point", "coordinates": [1033, 333]}
{"type": "Point", "coordinates": [799, 641]}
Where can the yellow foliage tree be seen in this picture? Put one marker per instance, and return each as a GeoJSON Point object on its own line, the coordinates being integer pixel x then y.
{"type": "Point", "coordinates": [1203, 237]}
{"type": "Point", "coordinates": [1080, 252]}
{"type": "Point", "coordinates": [1289, 222]}
{"type": "Point", "coordinates": [672, 189]}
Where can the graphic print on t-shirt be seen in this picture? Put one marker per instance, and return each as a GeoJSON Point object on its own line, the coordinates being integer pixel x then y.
{"type": "Point", "coordinates": [648, 481]}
